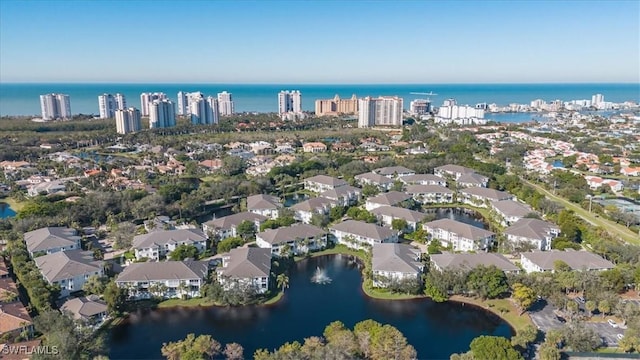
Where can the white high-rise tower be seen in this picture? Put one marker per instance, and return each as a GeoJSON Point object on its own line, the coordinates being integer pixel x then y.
{"type": "Point", "coordinates": [127, 120]}
{"type": "Point", "coordinates": [225, 103]}
{"type": "Point", "coordinates": [148, 98]}
{"type": "Point", "coordinates": [383, 110]}
{"type": "Point", "coordinates": [55, 106]}
{"type": "Point", "coordinates": [106, 106]}
{"type": "Point", "coordinates": [162, 114]}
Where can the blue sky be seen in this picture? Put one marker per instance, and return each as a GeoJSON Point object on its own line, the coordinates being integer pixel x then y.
{"type": "Point", "coordinates": [320, 41]}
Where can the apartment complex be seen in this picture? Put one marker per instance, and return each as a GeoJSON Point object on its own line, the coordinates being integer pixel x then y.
{"type": "Point", "coordinates": [380, 111]}
{"type": "Point", "coordinates": [289, 102]}
{"type": "Point", "coordinates": [55, 106]}
{"type": "Point", "coordinates": [128, 120]}
{"type": "Point", "coordinates": [162, 114]}
{"type": "Point", "coordinates": [337, 106]}
{"type": "Point", "coordinates": [204, 111]}
{"type": "Point", "coordinates": [108, 104]}
{"type": "Point", "coordinates": [148, 98]}
{"type": "Point", "coordinates": [225, 103]}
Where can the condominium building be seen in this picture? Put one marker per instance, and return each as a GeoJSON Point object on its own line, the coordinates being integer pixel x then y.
{"type": "Point", "coordinates": [420, 107]}
{"type": "Point", "coordinates": [225, 103]}
{"type": "Point", "coordinates": [337, 106]}
{"type": "Point", "coordinates": [183, 103]}
{"type": "Point", "coordinates": [55, 106]}
{"type": "Point", "coordinates": [108, 104]}
{"type": "Point", "coordinates": [204, 111]}
{"type": "Point", "coordinates": [162, 114]}
{"type": "Point", "coordinates": [128, 120]}
{"type": "Point", "coordinates": [148, 98]}
{"type": "Point", "coordinates": [289, 102]}
{"type": "Point", "coordinates": [450, 110]}
{"type": "Point", "coordinates": [380, 111]}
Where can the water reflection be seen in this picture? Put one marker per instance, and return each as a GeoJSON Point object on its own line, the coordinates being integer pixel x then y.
{"type": "Point", "coordinates": [304, 311]}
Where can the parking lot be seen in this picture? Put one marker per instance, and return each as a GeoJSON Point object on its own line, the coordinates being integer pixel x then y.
{"type": "Point", "coordinates": [545, 319]}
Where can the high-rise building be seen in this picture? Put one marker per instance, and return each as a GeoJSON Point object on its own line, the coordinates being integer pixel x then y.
{"type": "Point", "coordinates": [183, 103]}
{"type": "Point", "coordinates": [382, 111]}
{"type": "Point", "coordinates": [420, 107]}
{"type": "Point", "coordinates": [162, 114]}
{"type": "Point", "coordinates": [597, 99]}
{"type": "Point", "coordinates": [450, 110]}
{"type": "Point", "coordinates": [55, 106]}
{"type": "Point", "coordinates": [106, 106]}
{"type": "Point", "coordinates": [289, 102]}
{"type": "Point", "coordinates": [121, 101]}
{"type": "Point", "coordinates": [225, 103]}
{"type": "Point", "coordinates": [148, 98]}
{"type": "Point", "coordinates": [128, 120]}
{"type": "Point", "coordinates": [204, 111]}
{"type": "Point", "coordinates": [337, 106]}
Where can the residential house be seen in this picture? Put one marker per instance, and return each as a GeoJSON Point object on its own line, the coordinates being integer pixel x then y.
{"type": "Point", "coordinates": [361, 235]}
{"type": "Point", "coordinates": [167, 279]}
{"type": "Point", "coordinates": [226, 226]}
{"type": "Point", "coordinates": [630, 171]}
{"type": "Point", "coordinates": [596, 182]}
{"type": "Point", "coordinates": [159, 223]}
{"type": "Point", "coordinates": [322, 183]}
{"type": "Point", "coordinates": [381, 182]}
{"type": "Point", "coordinates": [469, 261]}
{"type": "Point", "coordinates": [454, 171]}
{"type": "Point", "coordinates": [395, 262]}
{"type": "Point", "coordinates": [246, 266]}
{"type": "Point", "coordinates": [458, 235]}
{"type": "Point", "coordinates": [539, 261]}
{"type": "Point", "coordinates": [211, 165]}
{"type": "Point", "coordinates": [471, 180]}
{"type": "Point", "coordinates": [158, 244]}
{"type": "Point", "coordinates": [386, 215]}
{"type": "Point", "coordinates": [391, 198]}
{"type": "Point", "coordinates": [90, 310]}
{"type": "Point", "coordinates": [299, 238]}
{"type": "Point", "coordinates": [314, 147]}
{"type": "Point", "coordinates": [265, 205]}
{"type": "Point", "coordinates": [344, 195]}
{"type": "Point", "coordinates": [482, 197]}
{"type": "Point", "coordinates": [46, 188]}
{"type": "Point", "coordinates": [423, 179]}
{"type": "Point", "coordinates": [510, 211]}
{"type": "Point", "coordinates": [305, 210]}
{"type": "Point", "coordinates": [9, 166]}
{"type": "Point", "coordinates": [50, 240]}
{"type": "Point", "coordinates": [69, 269]}
{"type": "Point", "coordinates": [394, 172]}
{"type": "Point", "coordinates": [430, 194]}
{"type": "Point", "coordinates": [537, 233]}
{"type": "Point", "coordinates": [14, 321]}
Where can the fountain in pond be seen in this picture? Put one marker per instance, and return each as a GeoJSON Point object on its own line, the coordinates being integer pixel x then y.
{"type": "Point", "coordinates": [320, 277]}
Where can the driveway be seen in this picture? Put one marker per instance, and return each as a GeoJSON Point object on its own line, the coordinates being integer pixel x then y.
{"type": "Point", "coordinates": [544, 318]}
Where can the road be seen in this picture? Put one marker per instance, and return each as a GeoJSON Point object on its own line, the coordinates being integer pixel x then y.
{"type": "Point", "coordinates": [611, 227]}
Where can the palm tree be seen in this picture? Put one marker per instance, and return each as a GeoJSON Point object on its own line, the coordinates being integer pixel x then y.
{"type": "Point", "coordinates": [283, 281]}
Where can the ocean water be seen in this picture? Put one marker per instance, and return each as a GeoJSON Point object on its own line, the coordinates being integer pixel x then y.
{"type": "Point", "coordinates": [23, 99]}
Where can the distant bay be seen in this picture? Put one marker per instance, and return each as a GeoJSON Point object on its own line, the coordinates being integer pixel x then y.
{"type": "Point", "coordinates": [23, 98]}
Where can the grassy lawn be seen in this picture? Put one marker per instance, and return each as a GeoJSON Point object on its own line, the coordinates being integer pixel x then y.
{"type": "Point", "coordinates": [186, 303]}
{"type": "Point", "coordinates": [387, 295]}
{"type": "Point", "coordinates": [13, 203]}
{"type": "Point", "coordinates": [610, 226]}
{"type": "Point", "coordinates": [274, 299]}
{"type": "Point", "coordinates": [211, 178]}
{"type": "Point", "coordinates": [512, 315]}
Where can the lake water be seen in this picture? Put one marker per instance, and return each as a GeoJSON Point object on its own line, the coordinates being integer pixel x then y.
{"type": "Point", "coordinates": [6, 211]}
{"type": "Point", "coordinates": [466, 216]}
{"type": "Point", "coordinates": [435, 329]}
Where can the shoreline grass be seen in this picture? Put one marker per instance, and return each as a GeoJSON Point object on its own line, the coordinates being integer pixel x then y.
{"type": "Point", "coordinates": [14, 204]}
{"type": "Point", "coordinates": [503, 308]}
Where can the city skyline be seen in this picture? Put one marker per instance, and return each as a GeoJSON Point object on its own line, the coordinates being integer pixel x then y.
{"type": "Point", "coordinates": [355, 43]}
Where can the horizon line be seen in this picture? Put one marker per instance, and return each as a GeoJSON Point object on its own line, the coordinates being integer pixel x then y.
{"type": "Point", "coordinates": [316, 83]}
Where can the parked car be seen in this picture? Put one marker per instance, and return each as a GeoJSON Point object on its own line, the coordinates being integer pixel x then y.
{"type": "Point", "coordinates": [612, 323]}
{"type": "Point", "coordinates": [580, 300]}
{"type": "Point", "coordinates": [619, 336]}
{"type": "Point", "coordinates": [561, 319]}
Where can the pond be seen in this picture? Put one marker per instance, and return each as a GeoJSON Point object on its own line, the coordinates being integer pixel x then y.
{"type": "Point", "coordinates": [6, 211]}
{"type": "Point", "coordinates": [466, 216]}
{"type": "Point", "coordinates": [290, 200]}
{"type": "Point", "coordinates": [435, 329]}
